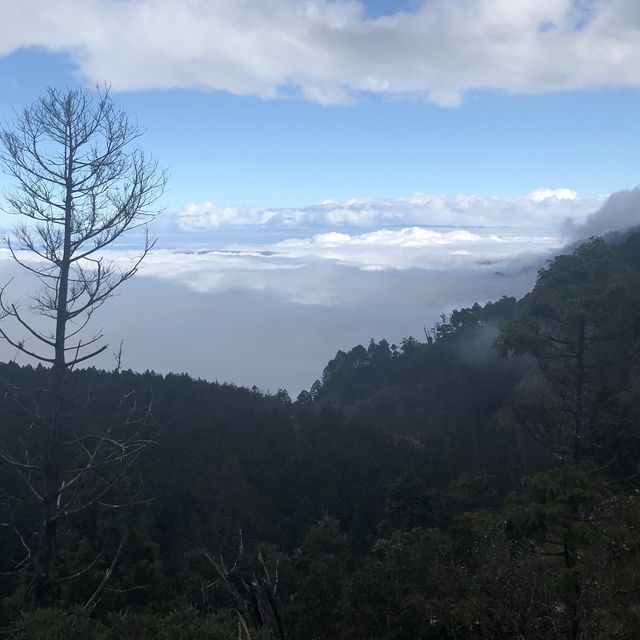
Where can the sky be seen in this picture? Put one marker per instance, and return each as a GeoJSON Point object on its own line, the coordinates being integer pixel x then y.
{"type": "Point", "coordinates": [341, 170]}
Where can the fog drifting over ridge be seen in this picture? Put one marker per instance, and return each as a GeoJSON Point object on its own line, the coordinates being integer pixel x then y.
{"type": "Point", "coordinates": [269, 303]}
{"type": "Point", "coordinates": [620, 211]}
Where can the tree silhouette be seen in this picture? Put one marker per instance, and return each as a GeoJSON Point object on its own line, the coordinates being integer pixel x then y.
{"type": "Point", "coordinates": [79, 183]}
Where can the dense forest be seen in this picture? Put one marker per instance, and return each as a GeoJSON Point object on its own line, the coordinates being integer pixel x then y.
{"type": "Point", "coordinates": [480, 484]}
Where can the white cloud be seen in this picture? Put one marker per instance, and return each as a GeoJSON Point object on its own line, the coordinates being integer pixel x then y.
{"type": "Point", "coordinates": [542, 208]}
{"type": "Point", "coordinates": [416, 247]}
{"type": "Point", "coordinates": [312, 269]}
{"type": "Point", "coordinates": [329, 51]}
{"type": "Point", "coordinates": [559, 194]}
{"type": "Point", "coordinates": [218, 249]}
{"type": "Point", "coordinates": [206, 215]}
{"type": "Point", "coordinates": [275, 250]}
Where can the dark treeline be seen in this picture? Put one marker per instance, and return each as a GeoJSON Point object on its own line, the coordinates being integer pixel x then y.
{"type": "Point", "coordinates": [479, 484]}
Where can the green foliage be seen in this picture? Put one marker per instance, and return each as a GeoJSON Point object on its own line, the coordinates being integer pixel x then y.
{"type": "Point", "coordinates": [581, 324]}
{"type": "Point", "coordinates": [589, 286]}
{"type": "Point", "coordinates": [321, 566]}
{"type": "Point", "coordinates": [555, 504]}
{"type": "Point", "coordinates": [409, 504]}
{"type": "Point", "coordinates": [399, 590]}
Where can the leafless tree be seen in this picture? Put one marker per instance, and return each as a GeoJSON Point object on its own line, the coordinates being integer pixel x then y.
{"type": "Point", "coordinates": [255, 594]}
{"type": "Point", "coordinates": [79, 183]}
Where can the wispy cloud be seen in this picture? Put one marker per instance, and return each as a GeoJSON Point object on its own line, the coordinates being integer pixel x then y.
{"type": "Point", "coordinates": [328, 51]}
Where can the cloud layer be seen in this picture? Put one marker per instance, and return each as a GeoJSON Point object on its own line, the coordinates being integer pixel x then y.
{"type": "Point", "coordinates": [329, 51]}
{"type": "Point", "coordinates": [330, 269]}
{"type": "Point", "coordinates": [543, 208]}
{"type": "Point", "coordinates": [271, 328]}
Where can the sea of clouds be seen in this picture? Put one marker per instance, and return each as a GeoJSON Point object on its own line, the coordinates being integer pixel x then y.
{"type": "Point", "coordinates": [267, 296]}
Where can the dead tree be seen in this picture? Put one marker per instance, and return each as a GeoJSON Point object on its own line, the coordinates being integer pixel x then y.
{"type": "Point", "coordinates": [79, 183]}
{"type": "Point", "coordinates": [255, 594]}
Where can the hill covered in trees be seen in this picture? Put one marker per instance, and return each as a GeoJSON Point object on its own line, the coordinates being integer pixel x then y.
{"type": "Point", "coordinates": [480, 484]}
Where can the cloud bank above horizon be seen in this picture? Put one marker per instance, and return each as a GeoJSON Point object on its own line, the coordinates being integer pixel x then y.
{"type": "Point", "coordinates": [543, 208]}
{"type": "Point", "coordinates": [331, 51]}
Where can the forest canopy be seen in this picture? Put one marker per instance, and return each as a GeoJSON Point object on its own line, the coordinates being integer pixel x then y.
{"type": "Point", "coordinates": [482, 483]}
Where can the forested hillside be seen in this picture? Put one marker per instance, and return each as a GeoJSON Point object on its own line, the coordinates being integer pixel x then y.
{"type": "Point", "coordinates": [482, 483]}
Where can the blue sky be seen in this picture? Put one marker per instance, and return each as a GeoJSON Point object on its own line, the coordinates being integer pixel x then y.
{"type": "Point", "coordinates": [244, 150]}
{"type": "Point", "coordinates": [334, 151]}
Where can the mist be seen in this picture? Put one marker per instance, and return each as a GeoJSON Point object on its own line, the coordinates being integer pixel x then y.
{"type": "Point", "coordinates": [620, 211]}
